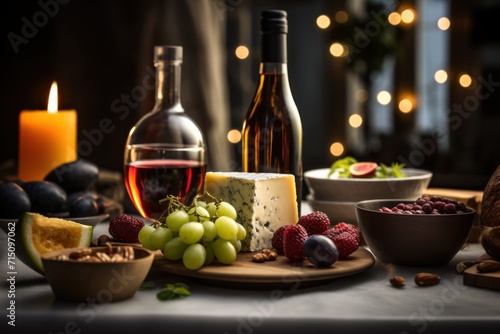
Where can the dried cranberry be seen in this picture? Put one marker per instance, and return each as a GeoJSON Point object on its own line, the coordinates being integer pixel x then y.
{"type": "Point", "coordinates": [449, 208]}
{"type": "Point", "coordinates": [439, 205]}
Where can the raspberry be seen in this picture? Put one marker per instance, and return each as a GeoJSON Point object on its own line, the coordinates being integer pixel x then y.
{"type": "Point", "coordinates": [346, 242]}
{"type": "Point", "coordinates": [277, 240]}
{"type": "Point", "coordinates": [316, 222]}
{"type": "Point", "coordinates": [348, 228]}
{"type": "Point", "coordinates": [125, 228]}
{"type": "Point", "coordinates": [293, 242]}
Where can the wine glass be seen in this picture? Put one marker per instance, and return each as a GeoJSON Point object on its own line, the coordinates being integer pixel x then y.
{"type": "Point", "coordinates": [153, 171]}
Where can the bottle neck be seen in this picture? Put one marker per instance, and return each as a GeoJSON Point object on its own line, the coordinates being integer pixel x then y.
{"type": "Point", "coordinates": [274, 54]}
{"type": "Point", "coordinates": [168, 86]}
{"type": "Point", "coordinates": [273, 68]}
{"type": "Point", "coordinates": [273, 47]}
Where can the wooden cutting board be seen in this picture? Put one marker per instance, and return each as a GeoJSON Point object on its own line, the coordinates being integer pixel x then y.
{"type": "Point", "coordinates": [244, 273]}
{"type": "Point", "coordinates": [482, 280]}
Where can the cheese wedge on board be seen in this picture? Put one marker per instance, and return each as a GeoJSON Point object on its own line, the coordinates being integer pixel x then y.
{"type": "Point", "coordinates": [263, 201]}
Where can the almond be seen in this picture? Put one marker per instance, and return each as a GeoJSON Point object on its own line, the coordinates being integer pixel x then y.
{"type": "Point", "coordinates": [427, 279]}
{"type": "Point", "coordinates": [488, 266]}
{"type": "Point", "coordinates": [461, 266]}
{"type": "Point", "coordinates": [397, 281]}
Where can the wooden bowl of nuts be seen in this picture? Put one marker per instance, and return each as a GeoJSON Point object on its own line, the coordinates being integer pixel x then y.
{"type": "Point", "coordinates": [103, 274]}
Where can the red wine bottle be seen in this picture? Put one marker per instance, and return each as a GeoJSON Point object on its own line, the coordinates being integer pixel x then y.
{"type": "Point", "coordinates": [272, 129]}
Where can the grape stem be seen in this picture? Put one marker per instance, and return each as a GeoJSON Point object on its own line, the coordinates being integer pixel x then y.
{"type": "Point", "coordinates": [176, 204]}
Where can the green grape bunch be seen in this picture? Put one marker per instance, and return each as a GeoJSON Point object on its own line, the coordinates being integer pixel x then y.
{"type": "Point", "coordinates": [196, 234]}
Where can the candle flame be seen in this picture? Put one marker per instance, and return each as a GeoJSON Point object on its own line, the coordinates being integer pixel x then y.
{"type": "Point", "coordinates": [52, 105]}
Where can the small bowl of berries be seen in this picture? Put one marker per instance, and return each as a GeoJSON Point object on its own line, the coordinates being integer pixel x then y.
{"type": "Point", "coordinates": [427, 231]}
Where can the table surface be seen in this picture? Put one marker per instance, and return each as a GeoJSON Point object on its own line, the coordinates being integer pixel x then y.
{"type": "Point", "coordinates": [361, 303]}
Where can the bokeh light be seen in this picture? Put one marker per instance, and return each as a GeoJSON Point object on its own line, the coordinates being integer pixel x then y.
{"type": "Point", "coordinates": [394, 18]}
{"type": "Point", "coordinates": [443, 23]}
{"type": "Point", "coordinates": [465, 80]}
{"type": "Point", "coordinates": [323, 21]}
{"type": "Point", "coordinates": [361, 95]}
{"type": "Point", "coordinates": [408, 15]}
{"type": "Point", "coordinates": [338, 50]}
{"type": "Point", "coordinates": [337, 149]}
{"type": "Point", "coordinates": [341, 17]}
{"type": "Point", "coordinates": [405, 106]}
{"type": "Point", "coordinates": [242, 52]}
{"type": "Point", "coordinates": [384, 97]}
{"type": "Point", "coordinates": [441, 76]}
{"type": "Point", "coordinates": [355, 120]}
{"type": "Point", "coordinates": [234, 136]}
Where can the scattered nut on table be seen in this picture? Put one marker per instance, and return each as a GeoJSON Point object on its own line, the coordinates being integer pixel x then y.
{"type": "Point", "coordinates": [461, 266]}
{"type": "Point", "coordinates": [397, 281]}
{"type": "Point", "coordinates": [103, 240]}
{"type": "Point", "coordinates": [427, 279]}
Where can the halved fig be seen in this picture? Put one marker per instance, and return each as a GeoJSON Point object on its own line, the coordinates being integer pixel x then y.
{"type": "Point", "coordinates": [363, 169]}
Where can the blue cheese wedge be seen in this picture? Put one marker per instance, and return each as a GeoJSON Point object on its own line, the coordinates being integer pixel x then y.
{"type": "Point", "coordinates": [264, 202]}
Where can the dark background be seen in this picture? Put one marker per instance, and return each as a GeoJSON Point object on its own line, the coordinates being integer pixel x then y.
{"type": "Point", "coordinates": [97, 50]}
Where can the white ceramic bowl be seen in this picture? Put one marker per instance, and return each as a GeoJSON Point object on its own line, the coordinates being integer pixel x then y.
{"type": "Point", "coordinates": [323, 188]}
{"type": "Point", "coordinates": [336, 211]}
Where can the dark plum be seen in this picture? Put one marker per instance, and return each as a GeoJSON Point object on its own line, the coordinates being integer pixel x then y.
{"type": "Point", "coordinates": [45, 197]}
{"type": "Point", "coordinates": [320, 250]}
{"type": "Point", "coordinates": [71, 197]}
{"type": "Point", "coordinates": [14, 201]}
{"type": "Point", "coordinates": [99, 199]}
{"type": "Point", "coordinates": [84, 206]}
{"type": "Point", "coordinates": [74, 176]}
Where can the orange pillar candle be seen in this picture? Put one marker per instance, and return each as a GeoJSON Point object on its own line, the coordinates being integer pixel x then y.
{"type": "Point", "coordinates": [47, 139]}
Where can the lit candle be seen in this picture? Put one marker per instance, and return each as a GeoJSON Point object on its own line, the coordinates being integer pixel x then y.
{"type": "Point", "coordinates": [47, 139]}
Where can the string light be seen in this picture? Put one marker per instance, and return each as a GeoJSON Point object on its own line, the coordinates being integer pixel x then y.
{"type": "Point", "coordinates": [341, 17]}
{"type": "Point", "coordinates": [323, 21]}
{"type": "Point", "coordinates": [355, 120]}
{"type": "Point", "coordinates": [361, 95]}
{"type": "Point", "coordinates": [242, 52]}
{"type": "Point", "coordinates": [384, 97]}
{"type": "Point", "coordinates": [465, 80]}
{"type": "Point", "coordinates": [408, 16]}
{"type": "Point", "coordinates": [234, 136]}
{"type": "Point", "coordinates": [338, 50]}
{"type": "Point", "coordinates": [405, 106]}
{"type": "Point", "coordinates": [336, 149]}
{"type": "Point", "coordinates": [441, 76]}
{"type": "Point", "coordinates": [443, 23]}
{"type": "Point", "coordinates": [394, 18]}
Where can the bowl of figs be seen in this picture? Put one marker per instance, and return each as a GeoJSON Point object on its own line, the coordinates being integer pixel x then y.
{"type": "Point", "coordinates": [65, 192]}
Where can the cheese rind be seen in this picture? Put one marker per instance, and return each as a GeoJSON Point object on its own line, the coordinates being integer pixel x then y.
{"type": "Point", "coordinates": [263, 201]}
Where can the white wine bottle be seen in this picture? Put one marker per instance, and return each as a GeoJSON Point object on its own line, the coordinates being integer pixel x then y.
{"type": "Point", "coordinates": [272, 129]}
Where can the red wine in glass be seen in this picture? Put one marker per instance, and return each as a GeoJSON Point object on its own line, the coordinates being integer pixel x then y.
{"type": "Point", "coordinates": [149, 181]}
